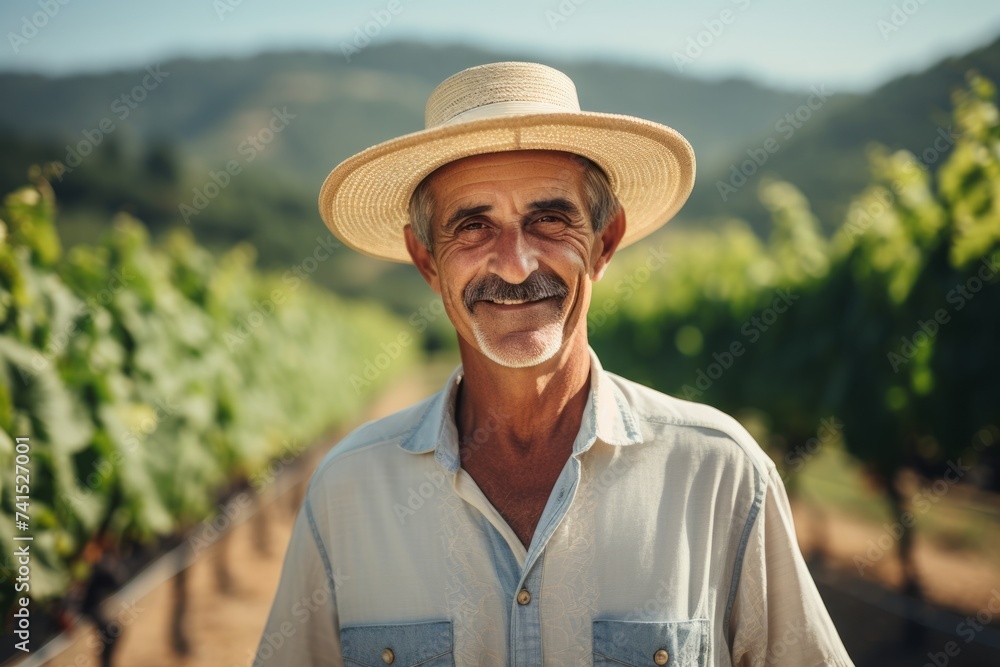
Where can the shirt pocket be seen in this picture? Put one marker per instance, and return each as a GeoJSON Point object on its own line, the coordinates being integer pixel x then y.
{"type": "Point", "coordinates": [647, 644]}
{"type": "Point", "coordinates": [427, 643]}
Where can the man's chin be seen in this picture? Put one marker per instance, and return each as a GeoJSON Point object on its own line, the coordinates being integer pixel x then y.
{"type": "Point", "coordinates": [522, 349]}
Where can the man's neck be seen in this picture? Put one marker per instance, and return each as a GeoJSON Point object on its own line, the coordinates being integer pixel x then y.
{"type": "Point", "coordinates": [514, 417]}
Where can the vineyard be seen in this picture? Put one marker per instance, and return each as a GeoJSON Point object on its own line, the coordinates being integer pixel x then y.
{"type": "Point", "coordinates": [883, 337]}
{"type": "Point", "coordinates": [144, 384]}
{"type": "Point", "coordinates": [148, 383]}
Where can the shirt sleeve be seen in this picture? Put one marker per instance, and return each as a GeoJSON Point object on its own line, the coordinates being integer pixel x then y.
{"type": "Point", "coordinates": [778, 617]}
{"type": "Point", "coordinates": [303, 625]}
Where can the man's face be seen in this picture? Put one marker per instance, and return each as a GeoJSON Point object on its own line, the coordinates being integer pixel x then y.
{"type": "Point", "coordinates": [514, 252]}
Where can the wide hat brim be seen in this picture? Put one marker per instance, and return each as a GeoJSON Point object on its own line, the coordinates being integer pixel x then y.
{"type": "Point", "coordinates": [365, 199]}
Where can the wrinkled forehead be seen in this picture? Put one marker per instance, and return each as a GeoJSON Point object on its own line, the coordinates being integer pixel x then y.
{"type": "Point", "coordinates": [525, 172]}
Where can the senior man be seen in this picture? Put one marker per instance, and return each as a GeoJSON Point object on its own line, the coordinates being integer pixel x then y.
{"type": "Point", "coordinates": [538, 510]}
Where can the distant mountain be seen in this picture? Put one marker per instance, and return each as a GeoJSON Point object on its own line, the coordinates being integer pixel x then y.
{"type": "Point", "coordinates": [177, 123]}
{"type": "Point", "coordinates": [209, 107]}
{"type": "Point", "coordinates": [826, 157]}
{"type": "Point", "coordinates": [161, 137]}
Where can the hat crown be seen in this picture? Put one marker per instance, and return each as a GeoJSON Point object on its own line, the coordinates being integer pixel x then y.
{"type": "Point", "coordinates": [500, 89]}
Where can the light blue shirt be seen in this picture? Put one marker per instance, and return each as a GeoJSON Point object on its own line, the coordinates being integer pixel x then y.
{"type": "Point", "coordinates": [667, 539]}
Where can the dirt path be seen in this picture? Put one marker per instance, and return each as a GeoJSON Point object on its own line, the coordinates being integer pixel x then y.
{"type": "Point", "coordinates": [950, 579]}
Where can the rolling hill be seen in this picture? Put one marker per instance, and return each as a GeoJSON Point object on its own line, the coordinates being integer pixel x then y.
{"type": "Point", "coordinates": [826, 157]}
{"type": "Point", "coordinates": [159, 137]}
{"type": "Point", "coordinates": [154, 137]}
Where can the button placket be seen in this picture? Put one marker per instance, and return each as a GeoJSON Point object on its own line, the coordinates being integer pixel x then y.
{"type": "Point", "coordinates": [526, 626]}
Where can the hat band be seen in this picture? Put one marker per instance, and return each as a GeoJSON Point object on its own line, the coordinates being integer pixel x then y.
{"type": "Point", "coordinates": [515, 108]}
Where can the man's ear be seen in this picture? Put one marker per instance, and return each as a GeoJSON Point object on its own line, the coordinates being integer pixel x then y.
{"type": "Point", "coordinates": [608, 243]}
{"type": "Point", "coordinates": [422, 258]}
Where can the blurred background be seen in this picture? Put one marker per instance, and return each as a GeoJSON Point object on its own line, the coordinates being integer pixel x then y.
{"type": "Point", "coordinates": [181, 339]}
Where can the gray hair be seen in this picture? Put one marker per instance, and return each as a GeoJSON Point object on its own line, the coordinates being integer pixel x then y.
{"type": "Point", "coordinates": [598, 195]}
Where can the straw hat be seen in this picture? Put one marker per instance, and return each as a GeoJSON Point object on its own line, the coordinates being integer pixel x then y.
{"type": "Point", "coordinates": [504, 107]}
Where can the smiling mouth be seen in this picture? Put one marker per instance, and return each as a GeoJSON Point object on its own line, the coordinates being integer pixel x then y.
{"type": "Point", "coordinates": [510, 302]}
{"type": "Point", "coordinates": [516, 302]}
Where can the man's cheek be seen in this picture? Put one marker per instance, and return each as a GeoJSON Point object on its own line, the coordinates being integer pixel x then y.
{"type": "Point", "coordinates": [454, 306]}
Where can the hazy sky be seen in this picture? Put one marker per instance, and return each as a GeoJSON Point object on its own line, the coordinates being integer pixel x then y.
{"type": "Point", "coordinates": [847, 45]}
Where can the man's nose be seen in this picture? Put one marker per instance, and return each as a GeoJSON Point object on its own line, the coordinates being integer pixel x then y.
{"type": "Point", "coordinates": [513, 257]}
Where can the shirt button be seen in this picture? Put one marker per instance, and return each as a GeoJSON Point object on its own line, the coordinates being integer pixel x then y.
{"type": "Point", "coordinates": [523, 597]}
{"type": "Point", "coordinates": [660, 657]}
{"type": "Point", "coordinates": [388, 656]}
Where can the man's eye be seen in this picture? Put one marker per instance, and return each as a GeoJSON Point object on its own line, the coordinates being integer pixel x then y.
{"type": "Point", "coordinates": [472, 225]}
{"type": "Point", "coordinates": [548, 219]}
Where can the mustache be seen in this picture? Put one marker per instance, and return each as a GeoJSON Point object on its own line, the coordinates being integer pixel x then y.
{"type": "Point", "coordinates": [494, 288]}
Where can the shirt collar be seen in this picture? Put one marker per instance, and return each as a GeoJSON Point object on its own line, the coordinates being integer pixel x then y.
{"type": "Point", "coordinates": [607, 417]}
